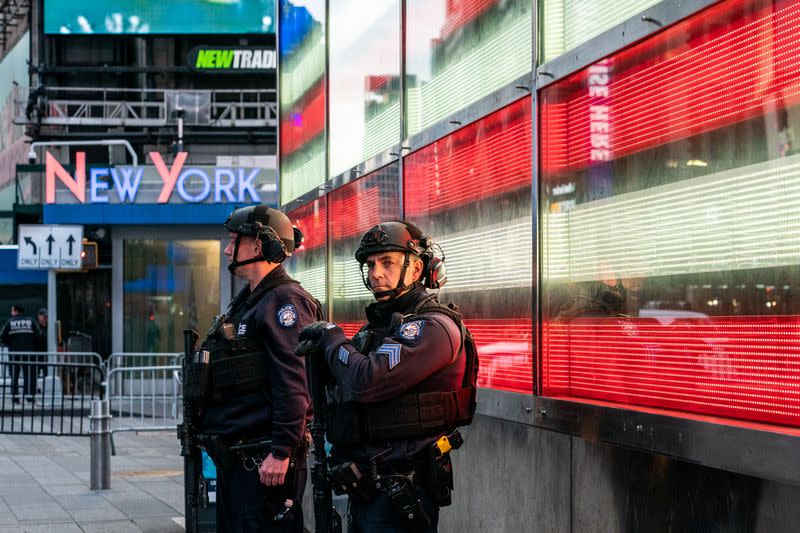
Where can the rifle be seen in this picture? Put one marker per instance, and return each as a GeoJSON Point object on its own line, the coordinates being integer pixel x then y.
{"type": "Point", "coordinates": [187, 434]}
{"type": "Point", "coordinates": [326, 519]}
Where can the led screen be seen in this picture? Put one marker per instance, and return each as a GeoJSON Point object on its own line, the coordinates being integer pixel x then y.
{"type": "Point", "coordinates": [159, 17]}
{"type": "Point", "coordinates": [670, 179]}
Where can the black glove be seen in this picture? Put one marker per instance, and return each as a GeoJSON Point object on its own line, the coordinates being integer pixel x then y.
{"type": "Point", "coordinates": [315, 331]}
{"type": "Point", "coordinates": [308, 349]}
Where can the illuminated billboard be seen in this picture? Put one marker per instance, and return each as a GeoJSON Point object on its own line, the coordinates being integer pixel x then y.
{"type": "Point", "coordinates": [159, 17]}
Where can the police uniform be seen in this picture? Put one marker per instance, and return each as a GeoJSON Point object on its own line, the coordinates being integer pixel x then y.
{"type": "Point", "coordinates": [19, 334]}
{"type": "Point", "coordinates": [257, 401]}
{"type": "Point", "coordinates": [399, 385]}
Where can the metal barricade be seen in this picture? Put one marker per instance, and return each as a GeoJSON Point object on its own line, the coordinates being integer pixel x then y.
{"type": "Point", "coordinates": [144, 398]}
{"type": "Point", "coordinates": [128, 359]}
{"type": "Point", "coordinates": [34, 399]}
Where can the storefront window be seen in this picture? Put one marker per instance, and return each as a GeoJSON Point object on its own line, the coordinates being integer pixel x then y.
{"type": "Point", "coordinates": [168, 286]}
{"type": "Point", "coordinates": [471, 192]}
{"type": "Point", "coordinates": [670, 179]}
{"type": "Point", "coordinates": [569, 23]}
{"type": "Point", "coordinates": [302, 97]}
{"type": "Point", "coordinates": [354, 208]}
{"type": "Point", "coordinates": [308, 263]}
{"type": "Point", "coordinates": [457, 52]}
{"type": "Point", "coordinates": [364, 80]}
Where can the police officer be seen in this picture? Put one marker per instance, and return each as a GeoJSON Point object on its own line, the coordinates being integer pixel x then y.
{"type": "Point", "coordinates": [19, 334]}
{"type": "Point", "coordinates": [403, 382]}
{"type": "Point", "coordinates": [253, 417]}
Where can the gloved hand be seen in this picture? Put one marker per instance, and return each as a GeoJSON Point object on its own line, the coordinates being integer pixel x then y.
{"type": "Point", "coordinates": [309, 338]}
{"type": "Point", "coordinates": [315, 331]}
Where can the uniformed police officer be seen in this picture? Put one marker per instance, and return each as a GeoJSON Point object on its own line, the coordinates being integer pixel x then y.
{"type": "Point", "coordinates": [404, 381]}
{"type": "Point", "coordinates": [253, 416]}
{"type": "Point", "coordinates": [19, 334]}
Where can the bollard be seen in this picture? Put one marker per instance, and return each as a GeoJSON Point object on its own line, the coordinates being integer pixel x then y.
{"type": "Point", "coordinates": [100, 447]}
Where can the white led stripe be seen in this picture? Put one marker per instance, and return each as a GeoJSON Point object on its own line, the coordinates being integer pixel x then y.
{"type": "Point", "coordinates": [568, 23]}
{"type": "Point", "coordinates": [381, 131]}
{"type": "Point", "coordinates": [312, 280]}
{"type": "Point", "coordinates": [510, 244]}
{"type": "Point", "coordinates": [299, 180]}
{"type": "Point", "coordinates": [306, 71]}
{"type": "Point", "coordinates": [737, 219]}
{"type": "Point", "coordinates": [474, 76]}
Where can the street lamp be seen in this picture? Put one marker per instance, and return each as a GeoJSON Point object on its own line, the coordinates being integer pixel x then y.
{"type": "Point", "coordinates": [101, 142]}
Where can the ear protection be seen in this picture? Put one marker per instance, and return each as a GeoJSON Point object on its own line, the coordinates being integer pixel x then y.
{"type": "Point", "coordinates": [272, 247]}
{"type": "Point", "coordinates": [434, 274]}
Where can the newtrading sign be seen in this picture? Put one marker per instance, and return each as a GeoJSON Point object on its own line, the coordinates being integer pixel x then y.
{"type": "Point", "coordinates": [160, 183]}
{"type": "Point", "coordinates": [232, 60]}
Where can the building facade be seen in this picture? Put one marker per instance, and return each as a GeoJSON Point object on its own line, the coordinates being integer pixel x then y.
{"type": "Point", "coordinates": [613, 187]}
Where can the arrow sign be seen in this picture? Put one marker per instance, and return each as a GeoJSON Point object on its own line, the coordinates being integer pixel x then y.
{"type": "Point", "coordinates": [29, 241]}
{"type": "Point", "coordinates": [63, 251]}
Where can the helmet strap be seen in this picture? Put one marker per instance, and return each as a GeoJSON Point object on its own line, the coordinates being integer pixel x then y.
{"type": "Point", "coordinates": [236, 264]}
{"type": "Point", "coordinates": [401, 285]}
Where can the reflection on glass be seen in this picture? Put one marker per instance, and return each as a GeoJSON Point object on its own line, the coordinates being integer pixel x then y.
{"type": "Point", "coordinates": [364, 80]}
{"type": "Point", "coordinates": [569, 23]}
{"type": "Point", "coordinates": [457, 52]}
{"type": "Point", "coordinates": [355, 208]}
{"type": "Point", "coordinates": [669, 228]}
{"type": "Point", "coordinates": [168, 286]}
{"type": "Point", "coordinates": [308, 263]}
{"type": "Point", "coordinates": [302, 97]}
{"type": "Point", "coordinates": [471, 191]}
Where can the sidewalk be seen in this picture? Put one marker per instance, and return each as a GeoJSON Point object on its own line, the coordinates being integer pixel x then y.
{"type": "Point", "coordinates": [44, 485]}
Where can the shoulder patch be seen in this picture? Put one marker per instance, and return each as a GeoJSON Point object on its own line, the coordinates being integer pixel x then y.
{"type": "Point", "coordinates": [411, 330]}
{"type": "Point", "coordinates": [392, 351]}
{"type": "Point", "coordinates": [287, 316]}
{"type": "Point", "coordinates": [343, 355]}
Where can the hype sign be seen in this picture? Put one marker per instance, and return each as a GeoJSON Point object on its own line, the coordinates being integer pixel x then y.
{"type": "Point", "coordinates": [227, 184]}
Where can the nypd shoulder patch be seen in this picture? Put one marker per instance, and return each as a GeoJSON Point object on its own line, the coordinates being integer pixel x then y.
{"type": "Point", "coordinates": [343, 355]}
{"type": "Point", "coordinates": [287, 316]}
{"type": "Point", "coordinates": [411, 331]}
{"type": "Point", "coordinates": [392, 351]}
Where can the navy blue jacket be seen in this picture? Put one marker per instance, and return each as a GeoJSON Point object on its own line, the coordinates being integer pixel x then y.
{"type": "Point", "coordinates": [20, 334]}
{"type": "Point", "coordinates": [273, 319]}
{"type": "Point", "coordinates": [421, 355]}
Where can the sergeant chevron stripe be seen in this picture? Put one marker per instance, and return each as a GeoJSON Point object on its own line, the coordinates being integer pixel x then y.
{"type": "Point", "coordinates": [392, 351]}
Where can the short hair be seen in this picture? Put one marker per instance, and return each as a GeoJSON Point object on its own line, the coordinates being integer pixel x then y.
{"type": "Point", "coordinates": [18, 308]}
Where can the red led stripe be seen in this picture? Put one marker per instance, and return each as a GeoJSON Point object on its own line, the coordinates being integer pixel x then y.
{"type": "Point", "coordinates": [715, 78]}
{"type": "Point", "coordinates": [461, 13]}
{"type": "Point", "coordinates": [296, 132]}
{"type": "Point", "coordinates": [738, 367]}
{"type": "Point", "coordinates": [482, 160]}
{"type": "Point", "coordinates": [310, 219]}
{"type": "Point", "coordinates": [353, 208]}
{"type": "Point", "coordinates": [505, 350]}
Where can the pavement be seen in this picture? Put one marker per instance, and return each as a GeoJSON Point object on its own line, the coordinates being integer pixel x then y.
{"type": "Point", "coordinates": [44, 485]}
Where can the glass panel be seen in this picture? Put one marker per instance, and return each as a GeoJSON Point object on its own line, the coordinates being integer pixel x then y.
{"type": "Point", "coordinates": [569, 23]}
{"type": "Point", "coordinates": [355, 208]}
{"type": "Point", "coordinates": [364, 80]}
{"type": "Point", "coordinates": [168, 286]}
{"type": "Point", "coordinates": [471, 192]}
{"type": "Point", "coordinates": [302, 97]}
{"type": "Point", "coordinates": [308, 263]}
{"type": "Point", "coordinates": [458, 52]}
{"type": "Point", "coordinates": [671, 188]}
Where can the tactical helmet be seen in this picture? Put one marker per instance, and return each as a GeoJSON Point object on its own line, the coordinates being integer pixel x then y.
{"type": "Point", "coordinates": [394, 236]}
{"type": "Point", "coordinates": [253, 221]}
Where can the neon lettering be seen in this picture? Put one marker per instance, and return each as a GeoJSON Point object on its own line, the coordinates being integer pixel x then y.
{"type": "Point", "coordinates": [126, 189]}
{"type": "Point", "coordinates": [168, 176]}
{"type": "Point", "coordinates": [247, 185]}
{"type": "Point", "coordinates": [203, 194]}
{"type": "Point", "coordinates": [226, 187]}
{"type": "Point", "coordinates": [97, 185]}
{"type": "Point", "coordinates": [77, 186]}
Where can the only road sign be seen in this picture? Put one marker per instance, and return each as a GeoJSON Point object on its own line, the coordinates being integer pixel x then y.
{"type": "Point", "coordinates": [49, 246]}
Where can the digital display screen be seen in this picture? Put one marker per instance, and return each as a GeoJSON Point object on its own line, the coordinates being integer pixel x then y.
{"type": "Point", "coordinates": [128, 17]}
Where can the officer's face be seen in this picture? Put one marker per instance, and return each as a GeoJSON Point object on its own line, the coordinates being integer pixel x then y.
{"type": "Point", "coordinates": [249, 247]}
{"type": "Point", "coordinates": [383, 271]}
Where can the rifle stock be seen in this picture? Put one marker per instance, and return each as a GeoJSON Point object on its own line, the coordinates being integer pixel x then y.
{"type": "Point", "coordinates": [326, 519]}
{"type": "Point", "coordinates": [188, 437]}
